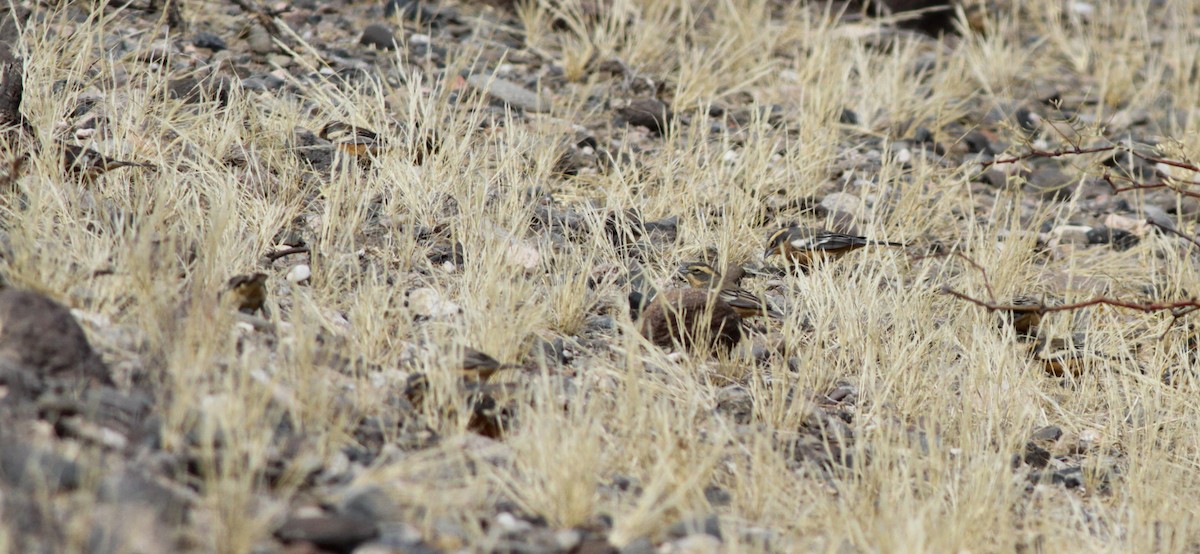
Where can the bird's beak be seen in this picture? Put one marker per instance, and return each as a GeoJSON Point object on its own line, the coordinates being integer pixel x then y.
{"type": "Point", "coordinates": [768, 251]}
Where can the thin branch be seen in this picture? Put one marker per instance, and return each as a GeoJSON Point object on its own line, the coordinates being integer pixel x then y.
{"type": "Point", "coordinates": [1187, 306]}
{"type": "Point", "coordinates": [1035, 153]}
{"type": "Point", "coordinates": [272, 256]}
{"type": "Point", "coordinates": [1172, 231]}
{"type": "Point", "coordinates": [1165, 161]}
{"type": "Point", "coordinates": [1134, 185]}
{"type": "Point", "coordinates": [987, 283]}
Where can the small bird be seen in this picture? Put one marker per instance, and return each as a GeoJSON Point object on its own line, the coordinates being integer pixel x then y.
{"type": "Point", "coordinates": [479, 367]}
{"type": "Point", "coordinates": [1061, 356]}
{"type": "Point", "coordinates": [249, 292]}
{"type": "Point", "coordinates": [359, 142]}
{"type": "Point", "coordinates": [746, 303]}
{"type": "Point", "coordinates": [416, 389]}
{"type": "Point", "coordinates": [474, 371]}
{"type": "Point", "coordinates": [689, 318]}
{"type": "Point", "coordinates": [806, 246]}
{"type": "Point", "coordinates": [87, 164]}
{"type": "Point", "coordinates": [1024, 315]}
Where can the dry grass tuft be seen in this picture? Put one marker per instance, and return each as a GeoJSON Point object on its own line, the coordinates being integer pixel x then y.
{"type": "Point", "coordinates": [879, 415]}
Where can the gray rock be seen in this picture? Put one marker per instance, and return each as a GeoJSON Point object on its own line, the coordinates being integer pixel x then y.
{"type": "Point", "coordinates": [639, 546]}
{"type": "Point", "coordinates": [843, 202]}
{"type": "Point", "coordinates": [650, 113]}
{"type": "Point", "coordinates": [1035, 455]}
{"type": "Point", "coordinates": [378, 35]}
{"type": "Point", "coordinates": [208, 41]}
{"type": "Point", "coordinates": [41, 336]}
{"type": "Point", "coordinates": [370, 503]}
{"type": "Point", "coordinates": [259, 39]}
{"type": "Point", "coordinates": [335, 533]}
{"type": "Point", "coordinates": [1118, 238]}
{"type": "Point", "coordinates": [736, 403]}
{"type": "Point", "coordinates": [136, 487]}
{"type": "Point", "coordinates": [708, 525]}
{"type": "Point", "coordinates": [694, 544]}
{"type": "Point", "coordinates": [1158, 216]}
{"type": "Point", "coordinates": [192, 90]}
{"type": "Point", "coordinates": [1071, 234]}
{"type": "Point", "coordinates": [663, 231]}
{"type": "Point", "coordinates": [27, 468]}
{"type": "Point", "coordinates": [509, 93]}
{"type": "Point", "coordinates": [1050, 182]}
{"type": "Point", "coordinates": [262, 82]}
{"type": "Point", "coordinates": [717, 496]}
{"type": "Point", "coordinates": [312, 149]}
{"type": "Point", "coordinates": [1047, 433]}
{"type": "Point", "coordinates": [1071, 477]}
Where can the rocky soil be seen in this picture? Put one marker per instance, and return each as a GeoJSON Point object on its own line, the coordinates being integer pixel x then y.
{"type": "Point", "coordinates": [144, 411]}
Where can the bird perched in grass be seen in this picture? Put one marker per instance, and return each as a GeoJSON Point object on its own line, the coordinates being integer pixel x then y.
{"type": "Point", "coordinates": [1023, 315]}
{"type": "Point", "coordinates": [807, 246]}
{"type": "Point", "coordinates": [478, 366]}
{"type": "Point", "coordinates": [691, 318]}
{"type": "Point", "coordinates": [359, 142]}
{"type": "Point", "coordinates": [746, 303]}
{"type": "Point", "coordinates": [87, 164]}
{"type": "Point", "coordinates": [473, 371]}
{"type": "Point", "coordinates": [248, 292]}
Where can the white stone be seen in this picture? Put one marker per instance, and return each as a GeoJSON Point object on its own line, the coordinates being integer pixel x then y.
{"type": "Point", "coordinates": [299, 273]}
{"type": "Point", "coordinates": [429, 303]}
{"type": "Point", "coordinates": [1070, 234]}
{"type": "Point", "coordinates": [1135, 226]}
{"type": "Point", "coordinates": [694, 544]}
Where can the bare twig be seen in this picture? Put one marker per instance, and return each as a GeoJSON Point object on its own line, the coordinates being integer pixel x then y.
{"type": "Point", "coordinates": [987, 283]}
{"type": "Point", "coordinates": [1182, 307]}
{"type": "Point", "coordinates": [1135, 185]}
{"type": "Point", "coordinates": [272, 256]}
{"type": "Point", "coordinates": [1153, 223]}
{"type": "Point", "coordinates": [1165, 161]}
{"type": "Point", "coordinates": [1035, 153]}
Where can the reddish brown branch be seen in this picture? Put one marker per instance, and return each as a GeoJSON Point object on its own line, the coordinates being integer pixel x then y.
{"type": "Point", "coordinates": [272, 256]}
{"type": "Point", "coordinates": [1187, 306]}
{"type": "Point", "coordinates": [987, 283]}
{"type": "Point", "coordinates": [1172, 231]}
{"type": "Point", "coordinates": [1134, 185]}
{"type": "Point", "coordinates": [1035, 153]}
{"type": "Point", "coordinates": [1165, 161]}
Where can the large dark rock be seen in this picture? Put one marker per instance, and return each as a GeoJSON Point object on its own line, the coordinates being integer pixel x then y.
{"type": "Point", "coordinates": [41, 344]}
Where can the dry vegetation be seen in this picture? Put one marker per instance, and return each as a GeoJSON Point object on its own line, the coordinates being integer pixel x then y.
{"type": "Point", "coordinates": [879, 415]}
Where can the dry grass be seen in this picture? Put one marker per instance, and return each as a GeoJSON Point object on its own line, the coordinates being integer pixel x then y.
{"type": "Point", "coordinates": [945, 400]}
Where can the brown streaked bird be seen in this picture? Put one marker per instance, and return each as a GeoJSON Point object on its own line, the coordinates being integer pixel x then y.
{"type": "Point", "coordinates": [1024, 316]}
{"type": "Point", "coordinates": [416, 389]}
{"type": "Point", "coordinates": [355, 141]}
{"type": "Point", "coordinates": [806, 246]}
{"type": "Point", "coordinates": [474, 371]}
{"type": "Point", "coordinates": [690, 318]}
{"type": "Point", "coordinates": [489, 403]}
{"type": "Point", "coordinates": [249, 292]}
{"type": "Point", "coordinates": [88, 164]}
{"type": "Point", "coordinates": [477, 366]}
{"type": "Point", "coordinates": [746, 303]}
